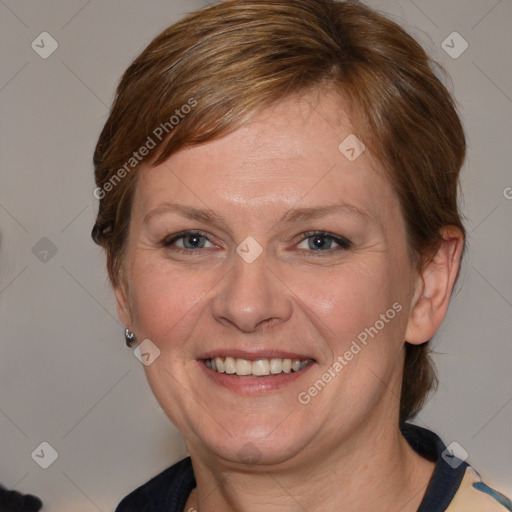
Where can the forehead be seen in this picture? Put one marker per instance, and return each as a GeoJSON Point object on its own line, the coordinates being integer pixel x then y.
{"type": "Point", "coordinates": [300, 152]}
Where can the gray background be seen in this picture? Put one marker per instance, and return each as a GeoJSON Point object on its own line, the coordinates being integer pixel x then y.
{"type": "Point", "coordinates": [66, 377]}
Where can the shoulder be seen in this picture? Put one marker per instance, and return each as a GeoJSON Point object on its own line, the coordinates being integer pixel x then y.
{"type": "Point", "coordinates": [168, 491]}
{"type": "Point", "coordinates": [474, 495]}
{"type": "Point", "coordinates": [455, 486]}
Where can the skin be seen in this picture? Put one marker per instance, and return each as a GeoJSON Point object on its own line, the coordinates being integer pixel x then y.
{"type": "Point", "coordinates": [265, 450]}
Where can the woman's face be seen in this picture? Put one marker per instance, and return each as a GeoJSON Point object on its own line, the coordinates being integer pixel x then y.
{"type": "Point", "coordinates": [273, 243]}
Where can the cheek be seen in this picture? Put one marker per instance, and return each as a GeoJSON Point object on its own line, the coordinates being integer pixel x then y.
{"type": "Point", "coordinates": [165, 302]}
{"type": "Point", "coordinates": [345, 302]}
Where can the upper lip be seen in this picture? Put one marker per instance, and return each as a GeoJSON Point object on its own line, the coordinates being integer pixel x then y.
{"type": "Point", "coordinates": [253, 355]}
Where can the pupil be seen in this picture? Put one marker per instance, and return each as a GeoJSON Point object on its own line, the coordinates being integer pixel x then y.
{"type": "Point", "coordinates": [194, 241]}
{"type": "Point", "coordinates": [319, 242]}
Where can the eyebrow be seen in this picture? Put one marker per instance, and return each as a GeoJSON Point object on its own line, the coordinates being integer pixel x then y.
{"type": "Point", "coordinates": [303, 214]}
{"type": "Point", "coordinates": [204, 215]}
{"type": "Point", "coordinates": [294, 215]}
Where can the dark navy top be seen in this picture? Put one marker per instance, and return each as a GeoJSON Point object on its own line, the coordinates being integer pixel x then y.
{"type": "Point", "coordinates": [169, 491]}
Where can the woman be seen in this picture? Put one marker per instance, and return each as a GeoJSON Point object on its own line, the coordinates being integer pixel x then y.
{"type": "Point", "coordinates": [278, 205]}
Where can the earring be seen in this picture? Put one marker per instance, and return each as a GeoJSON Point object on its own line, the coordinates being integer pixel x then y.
{"type": "Point", "coordinates": [129, 337]}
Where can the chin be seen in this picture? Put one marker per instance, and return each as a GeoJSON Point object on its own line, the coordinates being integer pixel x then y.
{"type": "Point", "coordinates": [257, 452]}
{"type": "Point", "coordinates": [270, 443]}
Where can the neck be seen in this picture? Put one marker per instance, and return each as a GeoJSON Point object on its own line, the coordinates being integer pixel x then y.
{"type": "Point", "coordinates": [375, 470]}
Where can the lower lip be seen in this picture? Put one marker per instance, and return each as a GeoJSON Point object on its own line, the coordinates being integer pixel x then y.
{"type": "Point", "coordinates": [254, 385]}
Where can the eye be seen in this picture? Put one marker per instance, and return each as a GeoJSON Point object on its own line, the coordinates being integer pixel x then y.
{"type": "Point", "coordinates": [188, 241]}
{"type": "Point", "coordinates": [321, 241]}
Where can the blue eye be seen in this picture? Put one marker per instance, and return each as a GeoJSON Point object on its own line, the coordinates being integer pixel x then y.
{"type": "Point", "coordinates": [316, 241]}
{"type": "Point", "coordinates": [320, 241]}
{"type": "Point", "coordinates": [188, 240]}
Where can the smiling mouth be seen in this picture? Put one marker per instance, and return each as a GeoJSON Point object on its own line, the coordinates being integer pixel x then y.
{"type": "Point", "coordinates": [257, 368]}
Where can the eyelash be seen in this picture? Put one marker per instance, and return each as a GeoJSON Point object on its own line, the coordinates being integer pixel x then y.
{"type": "Point", "coordinates": [168, 242]}
{"type": "Point", "coordinates": [343, 243]}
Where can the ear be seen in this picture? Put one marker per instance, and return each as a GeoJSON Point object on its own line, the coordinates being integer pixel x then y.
{"type": "Point", "coordinates": [122, 301]}
{"type": "Point", "coordinates": [434, 288]}
{"type": "Point", "coordinates": [122, 305]}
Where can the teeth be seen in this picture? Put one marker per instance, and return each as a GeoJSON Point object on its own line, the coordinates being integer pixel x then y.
{"type": "Point", "coordinates": [243, 367]}
{"type": "Point", "coordinates": [276, 366]}
{"type": "Point", "coordinates": [220, 364]}
{"type": "Point", "coordinates": [229, 365]}
{"type": "Point", "coordinates": [258, 368]}
{"type": "Point", "coordinates": [296, 365]}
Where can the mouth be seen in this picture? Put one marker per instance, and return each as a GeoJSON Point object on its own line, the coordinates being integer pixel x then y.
{"type": "Point", "coordinates": [257, 368]}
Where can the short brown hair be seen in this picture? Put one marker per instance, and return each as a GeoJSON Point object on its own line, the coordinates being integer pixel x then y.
{"type": "Point", "coordinates": [234, 59]}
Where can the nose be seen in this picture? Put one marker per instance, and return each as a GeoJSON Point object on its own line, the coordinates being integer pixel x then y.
{"type": "Point", "coordinates": [252, 297]}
